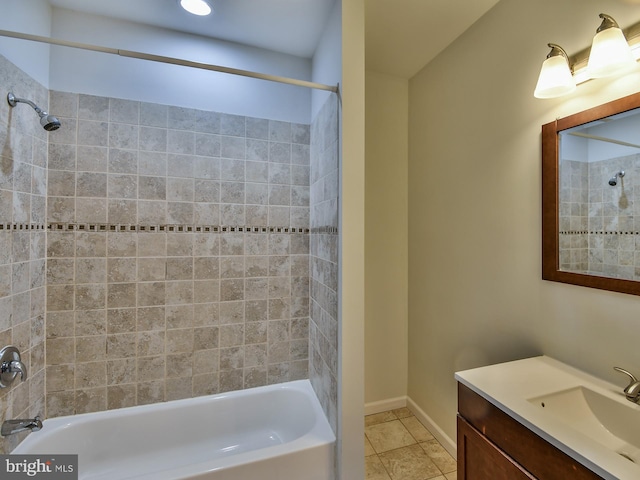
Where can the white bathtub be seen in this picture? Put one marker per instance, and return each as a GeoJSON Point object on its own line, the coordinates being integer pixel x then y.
{"type": "Point", "coordinates": [276, 432]}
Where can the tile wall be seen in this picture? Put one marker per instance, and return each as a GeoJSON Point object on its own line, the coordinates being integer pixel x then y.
{"type": "Point", "coordinates": [323, 335]}
{"type": "Point", "coordinates": [23, 162]}
{"type": "Point", "coordinates": [178, 253]}
{"type": "Point", "coordinates": [598, 224]}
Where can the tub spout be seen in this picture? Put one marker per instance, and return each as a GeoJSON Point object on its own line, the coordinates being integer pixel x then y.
{"type": "Point", "coordinates": [9, 427]}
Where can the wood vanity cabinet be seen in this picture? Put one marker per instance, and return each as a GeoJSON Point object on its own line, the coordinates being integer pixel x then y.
{"type": "Point", "coordinates": [494, 446]}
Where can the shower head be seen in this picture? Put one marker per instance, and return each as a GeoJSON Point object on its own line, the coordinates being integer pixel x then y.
{"type": "Point", "coordinates": [48, 122]}
{"type": "Point", "coordinates": [613, 181]}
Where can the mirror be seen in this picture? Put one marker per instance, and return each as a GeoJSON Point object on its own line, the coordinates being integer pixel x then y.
{"type": "Point", "coordinates": [591, 197]}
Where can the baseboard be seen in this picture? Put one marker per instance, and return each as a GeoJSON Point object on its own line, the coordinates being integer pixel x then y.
{"type": "Point", "coordinates": [385, 405]}
{"type": "Point", "coordinates": [448, 443]}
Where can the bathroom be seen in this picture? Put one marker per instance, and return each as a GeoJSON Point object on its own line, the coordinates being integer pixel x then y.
{"type": "Point", "coordinates": [452, 245]}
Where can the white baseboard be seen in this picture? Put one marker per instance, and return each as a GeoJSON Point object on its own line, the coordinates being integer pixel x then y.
{"type": "Point", "coordinates": [385, 405]}
{"type": "Point", "coordinates": [448, 443]}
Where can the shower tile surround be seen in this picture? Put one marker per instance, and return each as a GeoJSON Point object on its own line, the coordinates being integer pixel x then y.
{"type": "Point", "coordinates": [598, 226]}
{"type": "Point", "coordinates": [23, 162]}
{"type": "Point", "coordinates": [178, 253]}
{"type": "Point", "coordinates": [168, 250]}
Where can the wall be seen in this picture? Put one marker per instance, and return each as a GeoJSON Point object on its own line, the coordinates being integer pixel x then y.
{"type": "Point", "coordinates": [351, 253]}
{"type": "Point", "coordinates": [325, 64]}
{"type": "Point", "coordinates": [386, 241]}
{"type": "Point", "coordinates": [23, 162]}
{"type": "Point", "coordinates": [178, 253]}
{"type": "Point", "coordinates": [324, 242]}
{"type": "Point", "coordinates": [33, 17]}
{"type": "Point", "coordinates": [107, 75]}
{"type": "Point", "coordinates": [475, 291]}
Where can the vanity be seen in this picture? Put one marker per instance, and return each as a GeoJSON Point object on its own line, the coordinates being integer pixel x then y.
{"type": "Point", "coordinates": [538, 418]}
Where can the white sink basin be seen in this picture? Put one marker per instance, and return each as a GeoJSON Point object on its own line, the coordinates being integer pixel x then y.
{"type": "Point", "coordinates": [585, 417]}
{"type": "Point", "coordinates": [608, 421]}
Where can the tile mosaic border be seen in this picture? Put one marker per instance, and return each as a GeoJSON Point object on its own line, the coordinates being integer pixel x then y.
{"type": "Point", "coordinates": [22, 226]}
{"type": "Point", "coordinates": [179, 228]}
{"type": "Point", "coordinates": [600, 232]}
{"type": "Point", "coordinates": [325, 230]}
{"type": "Point", "coordinates": [169, 228]}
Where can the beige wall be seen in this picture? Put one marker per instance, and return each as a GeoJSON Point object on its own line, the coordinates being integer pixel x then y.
{"type": "Point", "coordinates": [351, 337]}
{"type": "Point", "coordinates": [475, 291]}
{"type": "Point", "coordinates": [386, 213]}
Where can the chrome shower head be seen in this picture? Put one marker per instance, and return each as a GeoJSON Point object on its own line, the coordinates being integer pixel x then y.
{"type": "Point", "coordinates": [613, 181]}
{"type": "Point", "coordinates": [48, 122]}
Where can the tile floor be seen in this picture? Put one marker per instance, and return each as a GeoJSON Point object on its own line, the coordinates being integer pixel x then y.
{"type": "Point", "coordinates": [398, 447]}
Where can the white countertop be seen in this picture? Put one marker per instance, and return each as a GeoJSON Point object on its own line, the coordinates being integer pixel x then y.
{"type": "Point", "coordinates": [510, 386]}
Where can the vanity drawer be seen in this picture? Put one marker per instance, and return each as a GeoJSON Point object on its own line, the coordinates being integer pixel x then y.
{"type": "Point", "coordinates": [534, 454]}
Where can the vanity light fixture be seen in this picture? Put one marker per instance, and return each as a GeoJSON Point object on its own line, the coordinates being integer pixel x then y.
{"type": "Point", "coordinates": [196, 7]}
{"type": "Point", "coordinates": [555, 78]}
{"type": "Point", "coordinates": [610, 54]}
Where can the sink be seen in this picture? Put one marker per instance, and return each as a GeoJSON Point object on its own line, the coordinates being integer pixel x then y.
{"type": "Point", "coordinates": [612, 422]}
{"type": "Point", "coordinates": [587, 418]}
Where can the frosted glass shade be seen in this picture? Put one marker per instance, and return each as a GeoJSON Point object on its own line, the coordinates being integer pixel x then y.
{"type": "Point", "coordinates": [197, 7]}
{"type": "Point", "coordinates": [610, 54]}
{"type": "Point", "coordinates": [555, 78]}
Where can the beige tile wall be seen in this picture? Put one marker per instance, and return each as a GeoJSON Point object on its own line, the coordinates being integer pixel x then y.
{"type": "Point", "coordinates": [178, 254]}
{"type": "Point", "coordinates": [323, 325]}
{"type": "Point", "coordinates": [23, 162]}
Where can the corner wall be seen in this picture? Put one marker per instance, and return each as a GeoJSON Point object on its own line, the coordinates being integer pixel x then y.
{"type": "Point", "coordinates": [386, 303]}
{"type": "Point", "coordinates": [475, 291]}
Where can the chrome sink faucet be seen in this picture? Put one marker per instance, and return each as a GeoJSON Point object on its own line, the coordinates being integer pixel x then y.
{"type": "Point", "coordinates": [631, 391]}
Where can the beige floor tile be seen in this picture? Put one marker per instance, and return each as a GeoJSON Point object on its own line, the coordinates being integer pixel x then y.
{"type": "Point", "coordinates": [452, 476]}
{"type": "Point", "coordinates": [409, 463]}
{"type": "Point", "coordinates": [402, 412]}
{"type": "Point", "coordinates": [374, 470]}
{"type": "Point", "coordinates": [379, 418]}
{"type": "Point", "coordinates": [368, 449]}
{"type": "Point", "coordinates": [419, 432]}
{"type": "Point", "coordinates": [445, 462]}
{"type": "Point", "coordinates": [388, 436]}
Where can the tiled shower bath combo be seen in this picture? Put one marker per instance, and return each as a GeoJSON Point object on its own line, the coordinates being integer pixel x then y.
{"type": "Point", "coordinates": [185, 252]}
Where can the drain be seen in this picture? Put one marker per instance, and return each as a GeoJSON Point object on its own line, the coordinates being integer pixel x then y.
{"type": "Point", "coordinates": [622, 454]}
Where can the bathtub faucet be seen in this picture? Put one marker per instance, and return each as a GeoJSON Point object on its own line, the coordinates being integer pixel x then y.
{"type": "Point", "coordinates": [9, 427]}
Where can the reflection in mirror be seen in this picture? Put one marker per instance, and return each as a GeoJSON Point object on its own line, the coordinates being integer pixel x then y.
{"type": "Point", "coordinates": [591, 197]}
{"type": "Point", "coordinates": [599, 191]}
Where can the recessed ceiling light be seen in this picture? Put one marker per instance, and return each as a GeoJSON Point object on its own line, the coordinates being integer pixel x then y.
{"type": "Point", "coordinates": [197, 7]}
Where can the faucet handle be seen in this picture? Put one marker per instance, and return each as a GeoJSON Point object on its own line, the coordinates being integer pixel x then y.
{"type": "Point", "coordinates": [632, 378]}
{"type": "Point", "coordinates": [11, 366]}
{"type": "Point", "coordinates": [16, 366]}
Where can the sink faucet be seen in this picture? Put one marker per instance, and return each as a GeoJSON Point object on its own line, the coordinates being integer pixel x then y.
{"type": "Point", "coordinates": [9, 427]}
{"type": "Point", "coordinates": [631, 391]}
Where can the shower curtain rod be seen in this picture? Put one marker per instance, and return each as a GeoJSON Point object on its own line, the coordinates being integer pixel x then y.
{"type": "Point", "coordinates": [169, 60]}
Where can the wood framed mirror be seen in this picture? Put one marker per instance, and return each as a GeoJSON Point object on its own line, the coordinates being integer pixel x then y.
{"type": "Point", "coordinates": [591, 197]}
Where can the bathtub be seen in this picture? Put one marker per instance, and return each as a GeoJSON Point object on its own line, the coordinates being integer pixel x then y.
{"type": "Point", "coordinates": [267, 433]}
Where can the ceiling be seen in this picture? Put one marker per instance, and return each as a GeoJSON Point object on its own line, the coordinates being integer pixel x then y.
{"type": "Point", "coordinates": [401, 35]}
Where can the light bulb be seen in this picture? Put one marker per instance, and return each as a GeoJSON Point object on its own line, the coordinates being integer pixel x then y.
{"type": "Point", "coordinates": [196, 7]}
